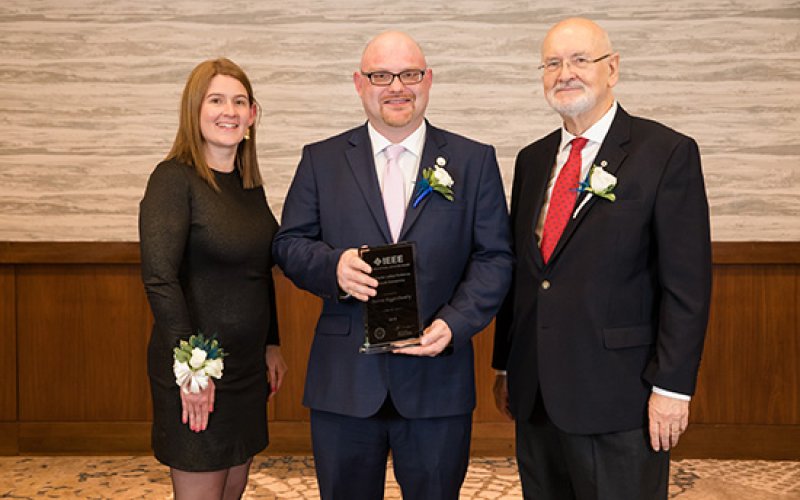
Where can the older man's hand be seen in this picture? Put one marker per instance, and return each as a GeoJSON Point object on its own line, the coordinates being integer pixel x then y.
{"type": "Point", "coordinates": [668, 418]}
{"type": "Point", "coordinates": [500, 391]}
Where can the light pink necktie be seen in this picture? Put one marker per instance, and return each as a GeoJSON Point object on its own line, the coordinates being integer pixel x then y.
{"type": "Point", "coordinates": [562, 200]}
{"type": "Point", "coordinates": [394, 198]}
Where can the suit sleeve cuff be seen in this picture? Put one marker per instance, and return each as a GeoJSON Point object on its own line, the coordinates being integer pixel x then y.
{"type": "Point", "coordinates": [670, 394]}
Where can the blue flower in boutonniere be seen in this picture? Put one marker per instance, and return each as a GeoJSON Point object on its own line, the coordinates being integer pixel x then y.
{"type": "Point", "coordinates": [598, 183]}
{"type": "Point", "coordinates": [437, 179]}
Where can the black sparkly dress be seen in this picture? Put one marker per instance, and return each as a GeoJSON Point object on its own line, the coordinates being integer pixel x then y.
{"type": "Point", "coordinates": [206, 266]}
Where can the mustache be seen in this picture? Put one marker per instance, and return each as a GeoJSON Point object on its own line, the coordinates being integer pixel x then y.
{"type": "Point", "coordinates": [569, 85]}
{"type": "Point", "coordinates": [391, 94]}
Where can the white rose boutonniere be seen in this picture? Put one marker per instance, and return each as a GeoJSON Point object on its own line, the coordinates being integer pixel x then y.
{"type": "Point", "coordinates": [195, 360]}
{"type": "Point", "coordinates": [598, 182]}
{"type": "Point", "coordinates": [437, 179]}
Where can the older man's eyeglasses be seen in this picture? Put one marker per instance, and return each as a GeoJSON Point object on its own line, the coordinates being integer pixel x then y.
{"type": "Point", "coordinates": [576, 61]}
{"type": "Point", "coordinates": [386, 78]}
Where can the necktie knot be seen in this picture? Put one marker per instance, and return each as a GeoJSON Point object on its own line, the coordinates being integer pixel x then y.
{"type": "Point", "coordinates": [393, 152]}
{"type": "Point", "coordinates": [577, 145]}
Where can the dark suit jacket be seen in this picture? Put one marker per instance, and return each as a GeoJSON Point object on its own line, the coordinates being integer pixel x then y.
{"type": "Point", "coordinates": [622, 304]}
{"type": "Point", "coordinates": [463, 270]}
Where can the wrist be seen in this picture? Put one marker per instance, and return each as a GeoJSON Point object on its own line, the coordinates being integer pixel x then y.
{"type": "Point", "coordinates": [670, 394]}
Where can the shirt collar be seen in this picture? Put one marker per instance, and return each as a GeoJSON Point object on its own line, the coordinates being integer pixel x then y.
{"type": "Point", "coordinates": [412, 143]}
{"type": "Point", "coordinates": [595, 133]}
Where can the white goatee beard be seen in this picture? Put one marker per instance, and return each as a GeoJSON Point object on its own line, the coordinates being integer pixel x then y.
{"type": "Point", "coordinates": [575, 108]}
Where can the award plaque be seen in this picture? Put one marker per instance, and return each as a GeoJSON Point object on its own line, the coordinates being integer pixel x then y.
{"type": "Point", "coordinates": [391, 317]}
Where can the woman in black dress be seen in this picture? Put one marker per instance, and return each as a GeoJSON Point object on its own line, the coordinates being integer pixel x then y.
{"type": "Point", "coordinates": [206, 235]}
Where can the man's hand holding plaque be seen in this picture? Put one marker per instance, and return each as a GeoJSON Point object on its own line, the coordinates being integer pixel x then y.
{"type": "Point", "coordinates": [353, 276]}
{"type": "Point", "coordinates": [384, 277]}
{"type": "Point", "coordinates": [355, 279]}
{"type": "Point", "coordinates": [434, 341]}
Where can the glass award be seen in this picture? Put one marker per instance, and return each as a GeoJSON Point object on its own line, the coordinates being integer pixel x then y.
{"type": "Point", "coordinates": [391, 317]}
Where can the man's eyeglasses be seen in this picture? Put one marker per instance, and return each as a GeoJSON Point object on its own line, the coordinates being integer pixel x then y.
{"type": "Point", "coordinates": [385, 78]}
{"type": "Point", "coordinates": [578, 62]}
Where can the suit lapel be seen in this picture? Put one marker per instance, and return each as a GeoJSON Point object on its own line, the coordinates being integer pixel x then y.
{"type": "Point", "coordinates": [435, 143]}
{"type": "Point", "coordinates": [362, 163]}
{"type": "Point", "coordinates": [533, 189]}
{"type": "Point", "coordinates": [614, 155]}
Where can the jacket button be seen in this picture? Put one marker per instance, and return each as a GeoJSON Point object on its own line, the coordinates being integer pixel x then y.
{"type": "Point", "coordinates": [545, 285]}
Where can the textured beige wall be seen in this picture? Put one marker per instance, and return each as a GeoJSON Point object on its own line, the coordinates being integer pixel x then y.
{"type": "Point", "coordinates": [89, 92]}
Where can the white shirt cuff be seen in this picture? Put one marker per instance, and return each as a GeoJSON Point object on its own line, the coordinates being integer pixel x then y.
{"type": "Point", "coordinates": [502, 373]}
{"type": "Point", "coordinates": [670, 394]}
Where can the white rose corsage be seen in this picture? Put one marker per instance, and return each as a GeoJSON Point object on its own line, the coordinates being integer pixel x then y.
{"type": "Point", "coordinates": [437, 179]}
{"type": "Point", "coordinates": [598, 183]}
{"type": "Point", "coordinates": [195, 361]}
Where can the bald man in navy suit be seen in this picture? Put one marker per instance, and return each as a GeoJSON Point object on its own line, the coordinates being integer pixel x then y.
{"type": "Point", "coordinates": [418, 402]}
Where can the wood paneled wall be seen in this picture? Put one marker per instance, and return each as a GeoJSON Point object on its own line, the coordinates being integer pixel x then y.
{"type": "Point", "coordinates": [74, 324]}
{"type": "Point", "coordinates": [752, 348]}
{"type": "Point", "coordinates": [8, 363]}
{"type": "Point", "coordinates": [82, 335]}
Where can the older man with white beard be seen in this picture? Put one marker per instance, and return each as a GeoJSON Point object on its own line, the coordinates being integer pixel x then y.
{"type": "Point", "coordinates": [599, 340]}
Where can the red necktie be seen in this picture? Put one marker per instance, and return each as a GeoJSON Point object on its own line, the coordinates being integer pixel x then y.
{"type": "Point", "coordinates": [562, 200]}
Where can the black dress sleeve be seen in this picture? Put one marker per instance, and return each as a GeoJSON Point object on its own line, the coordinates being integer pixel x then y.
{"type": "Point", "coordinates": [164, 222]}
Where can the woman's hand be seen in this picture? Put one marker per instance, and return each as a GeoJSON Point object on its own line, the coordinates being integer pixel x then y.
{"type": "Point", "coordinates": [197, 406]}
{"type": "Point", "coordinates": [276, 368]}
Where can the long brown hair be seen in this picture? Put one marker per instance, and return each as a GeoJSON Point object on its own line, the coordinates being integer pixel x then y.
{"type": "Point", "coordinates": [188, 145]}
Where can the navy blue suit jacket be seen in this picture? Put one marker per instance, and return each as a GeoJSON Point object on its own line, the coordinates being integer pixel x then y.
{"type": "Point", "coordinates": [463, 270]}
{"type": "Point", "coordinates": [622, 304]}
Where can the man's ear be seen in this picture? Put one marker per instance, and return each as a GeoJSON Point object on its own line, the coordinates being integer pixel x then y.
{"type": "Point", "coordinates": [613, 68]}
{"type": "Point", "coordinates": [358, 81]}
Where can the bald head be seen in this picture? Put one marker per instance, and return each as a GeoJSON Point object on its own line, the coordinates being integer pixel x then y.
{"type": "Point", "coordinates": [578, 27]}
{"type": "Point", "coordinates": [390, 43]}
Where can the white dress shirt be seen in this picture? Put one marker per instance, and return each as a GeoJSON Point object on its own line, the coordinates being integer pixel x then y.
{"type": "Point", "coordinates": [409, 159]}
